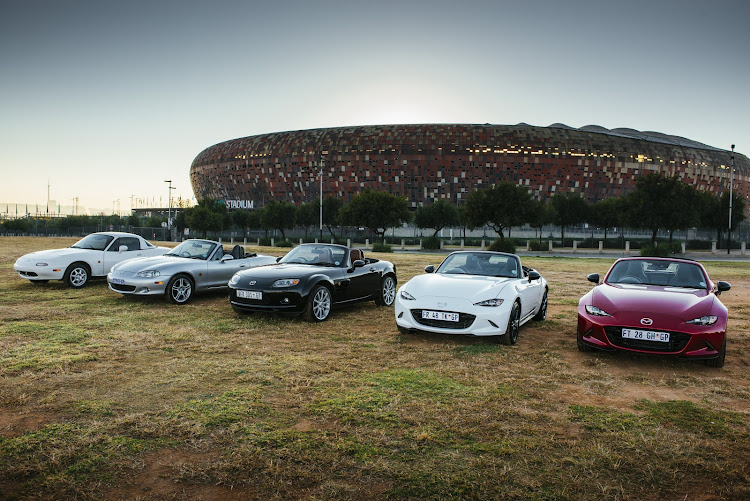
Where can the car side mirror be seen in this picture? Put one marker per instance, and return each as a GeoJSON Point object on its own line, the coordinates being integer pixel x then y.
{"type": "Point", "coordinates": [358, 263]}
{"type": "Point", "coordinates": [534, 275]}
{"type": "Point", "coordinates": [122, 248]}
{"type": "Point", "coordinates": [278, 259]}
{"type": "Point", "coordinates": [722, 286]}
{"type": "Point", "coordinates": [593, 277]}
{"type": "Point", "coordinates": [429, 269]}
{"type": "Point", "coordinates": [226, 257]}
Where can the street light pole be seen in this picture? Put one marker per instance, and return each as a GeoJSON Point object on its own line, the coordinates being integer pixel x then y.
{"type": "Point", "coordinates": [731, 186]}
{"type": "Point", "coordinates": [322, 158]}
{"type": "Point", "coordinates": [169, 209]}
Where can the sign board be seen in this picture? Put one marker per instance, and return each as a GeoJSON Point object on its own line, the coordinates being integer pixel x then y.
{"type": "Point", "coordinates": [239, 204]}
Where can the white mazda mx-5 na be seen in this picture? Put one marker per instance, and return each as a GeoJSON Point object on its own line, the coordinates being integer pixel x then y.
{"type": "Point", "coordinates": [479, 293]}
{"type": "Point", "coordinates": [92, 256]}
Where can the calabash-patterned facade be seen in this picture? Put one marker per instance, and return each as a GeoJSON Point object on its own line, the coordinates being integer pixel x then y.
{"type": "Point", "coordinates": [447, 161]}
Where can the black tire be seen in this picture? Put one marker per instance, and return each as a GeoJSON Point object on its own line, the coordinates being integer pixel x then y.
{"type": "Point", "coordinates": [403, 330]}
{"type": "Point", "coordinates": [179, 289]}
{"type": "Point", "coordinates": [387, 293]}
{"type": "Point", "coordinates": [542, 313]}
{"type": "Point", "coordinates": [39, 281]}
{"type": "Point", "coordinates": [581, 345]}
{"type": "Point", "coordinates": [718, 361]}
{"type": "Point", "coordinates": [319, 303]}
{"type": "Point", "coordinates": [77, 275]}
{"type": "Point", "coordinates": [514, 319]}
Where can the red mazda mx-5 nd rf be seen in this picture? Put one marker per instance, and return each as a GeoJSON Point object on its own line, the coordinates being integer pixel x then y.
{"type": "Point", "coordinates": [657, 306]}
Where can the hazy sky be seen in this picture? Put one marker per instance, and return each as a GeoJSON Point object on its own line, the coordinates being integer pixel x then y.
{"type": "Point", "coordinates": [106, 100]}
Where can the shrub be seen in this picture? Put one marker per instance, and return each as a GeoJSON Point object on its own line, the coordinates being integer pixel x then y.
{"type": "Point", "coordinates": [503, 245]}
{"type": "Point", "coordinates": [658, 250]}
{"type": "Point", "coordinates": [378, 247]}
{"type": "Point", "coordinates": [537, 246]}
{"type": "Point", "coordinates": [431, 243]}
{"type": "Point", "coordinates": [285, 243]}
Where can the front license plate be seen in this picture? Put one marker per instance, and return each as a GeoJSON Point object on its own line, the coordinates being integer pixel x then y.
{"type": "Point", "coordinates": [118, 281]}
{"type": "Point", "coordinates": [661, 337]}
{"type": "Point", "coordinates": [440, 315]}
{"type": "Point", "coordinates": [250, 294]}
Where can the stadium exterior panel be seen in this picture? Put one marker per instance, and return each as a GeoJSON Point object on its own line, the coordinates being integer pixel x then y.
{"type": "Point", "coordinates": [430, 162]}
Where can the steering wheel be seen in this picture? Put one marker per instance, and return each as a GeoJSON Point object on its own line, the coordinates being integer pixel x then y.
{"type": "Point", "coordinates": [630, 280]}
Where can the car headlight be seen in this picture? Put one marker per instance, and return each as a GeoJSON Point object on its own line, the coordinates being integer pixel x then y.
{"type": "Point", "coordinates": [489, 302]}
{"type": "Point", "coordinates": [42, 264]}
{"type": "Point", "coordinates": [286, 282]}
{"type": "Point", "coordinates": [407, 296]}
{"type": "Point", "coordinates": [148, 274]}
{"type": "Point", "coordinates": [235, 279]}
{"type": "Point", "coordinates": [598, 312]}
{"type": "Point", "coordinates": [706, 320]}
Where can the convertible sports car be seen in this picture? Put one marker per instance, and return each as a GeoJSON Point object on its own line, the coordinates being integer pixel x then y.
{"type": "Point", "coordinates": [476, 293]}
{"type": "Point", "coordinates": [657, 306]}
{"type": "Point", "coordinates": [92, 256]}
{"type": "Point", "coordinates": [313, 278]}
{"type": "Point", "coordinates": [193, 266]}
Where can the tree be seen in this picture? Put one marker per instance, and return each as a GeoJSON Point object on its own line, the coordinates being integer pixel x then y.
{"type": "Point", "coordinates": [242, 218]}
{"type": "Point", "coordinates": [308, 215]}
{"type": "Point", "coordinates": [279, 215]}
{"type": "Point", "coordinates": [607, 213]}
{"type": "Point", "coordinates": [331, 207]}
{"type": "Point", "coordinates": [660, 202]}
{"type": "Point", "coordinates": [542, 213]}
{"type": "Point", "coordinates": [376, 211]}
{"type": "Point", "coordinates": [208, 215]}
{"type": "Point", "coordinates": [437, 216]}
{"type": "Point", "coordinates": [714, 212]}
{"type": "Point", "coordinates": [501, 206]}
{"type": "Point", "coordinates": [570, 209]}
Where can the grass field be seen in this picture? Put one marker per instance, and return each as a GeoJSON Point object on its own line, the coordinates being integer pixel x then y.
{"type": "Point", "coordinates": [110, 397]}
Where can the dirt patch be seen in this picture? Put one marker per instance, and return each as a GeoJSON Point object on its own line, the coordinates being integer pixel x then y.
{"type": "Point", "coordinates": [16, 422]}
{"type": "Point", "coordinates": [161, 477]}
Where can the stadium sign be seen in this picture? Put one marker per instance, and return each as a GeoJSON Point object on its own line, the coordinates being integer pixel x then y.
{"type": "Point", "coordinates": [239, 204]}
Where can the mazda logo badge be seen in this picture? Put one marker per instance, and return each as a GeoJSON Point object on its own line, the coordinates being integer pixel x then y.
{"type": "Point", "coordinates": [252, 282]}
{"type": "Point", "coordinates": [442, 305]}
{"type": "Point", "coordinates": [646, 321]}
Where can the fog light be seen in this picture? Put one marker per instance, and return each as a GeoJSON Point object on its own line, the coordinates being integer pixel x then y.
{"type": "Point", "coordinates": [285, 300]}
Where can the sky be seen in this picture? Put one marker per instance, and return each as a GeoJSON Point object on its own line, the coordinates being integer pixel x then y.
{"type": "Point", "coordinates": [104, 101]}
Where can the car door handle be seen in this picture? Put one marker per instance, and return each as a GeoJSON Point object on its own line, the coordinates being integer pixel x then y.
{"type": "Point", "coordinates": [372, 269]}
{"type": "Point", "coordinates": [243, 266]}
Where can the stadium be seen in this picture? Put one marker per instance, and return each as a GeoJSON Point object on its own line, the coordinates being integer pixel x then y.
{"type": "Point", "coordinates": [429, 162]}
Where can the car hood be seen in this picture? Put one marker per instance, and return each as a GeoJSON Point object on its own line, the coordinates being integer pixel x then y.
{"type": "Point", "coordinates": [285, 270]}
{"type": "Point", "coordinates": [682, 303]}
{"type": "Point", "coordinates": [456, 286]}
{"type": "Point", "coordinates": [52, 254]}
{"type": "Point", "coordinates": [150, 263]}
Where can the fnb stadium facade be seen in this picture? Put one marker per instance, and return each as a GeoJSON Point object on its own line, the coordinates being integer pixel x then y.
{"type": "Point", "coordinates": [430, 162]}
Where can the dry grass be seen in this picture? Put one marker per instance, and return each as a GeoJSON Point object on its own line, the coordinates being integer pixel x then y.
{"type": "Point", "coordinates": [105, 396]}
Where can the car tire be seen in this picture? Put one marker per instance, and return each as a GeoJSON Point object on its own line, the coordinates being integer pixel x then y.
{"type": "Point", "coordinates": [718, 361]}
{"type": "Point", "coordinates": [77, 275]}
{"type": "Point", "coordinates": [387, 293]}
{"type": "Point", "coordinates": [39, 281]}
{"type": "Point", "coordinates": [179, 289]}
{"type": "Point", "coordinates": [583, 347]}
{"type": "Point", "coordinates": [542, 313]}
{"type": "Point", "coordinates": [319, 303]}
{"type": "Point", "coordinates": [514, 319]}
{"type": "Point", "coordinates": [403, 330]}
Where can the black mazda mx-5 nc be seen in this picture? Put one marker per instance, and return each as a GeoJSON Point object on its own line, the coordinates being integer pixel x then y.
{"type": "Point", "coordinates": [311, 279]}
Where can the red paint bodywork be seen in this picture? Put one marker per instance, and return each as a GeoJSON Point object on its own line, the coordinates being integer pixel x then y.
{"type": "Point", "coordinates": [669, 308]}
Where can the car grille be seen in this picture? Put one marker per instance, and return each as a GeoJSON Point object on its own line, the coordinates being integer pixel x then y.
{"type": "Point", "coordinates": [28, 273]}
{"type": "Point", "coordinates": [123, 288]}
{"type": "Point", "coordinates": [464, 320]}
{"type": "Point", "coordinates": [677, 341]}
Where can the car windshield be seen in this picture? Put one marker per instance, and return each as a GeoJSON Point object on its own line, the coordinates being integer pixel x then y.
{"type": "Point", "coordinates": [480, 263]}
{"type": "Point", "coordinates": [95, 241]}
{"type": "Point", "coordinates": [193, 249]}
{"type": "Point", "coordinates": [318, 255]}
{"type": "Point", "coordinates": [658, 272]}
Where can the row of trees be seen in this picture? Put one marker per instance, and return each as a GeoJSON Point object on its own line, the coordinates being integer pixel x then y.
{"type": "Point", "coordinates": [68, 223]}
{"type": "Point", "coordinates": [656, 203]}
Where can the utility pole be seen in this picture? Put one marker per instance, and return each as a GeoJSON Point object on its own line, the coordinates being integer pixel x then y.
{"type": "Point", "coordinates": [731, 186]}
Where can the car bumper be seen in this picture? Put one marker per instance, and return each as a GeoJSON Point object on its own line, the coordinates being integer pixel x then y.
{"type": "Point", "coordinates": [32, 272]}
{"type": "Point", "coordinates": [473, 320]}
{"type": "Point", "coordinates": [695, 342]}
{"type": "Point", "coordinates": [287, 300]}
{"type": "Point", "coordinates": [130, 284]}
